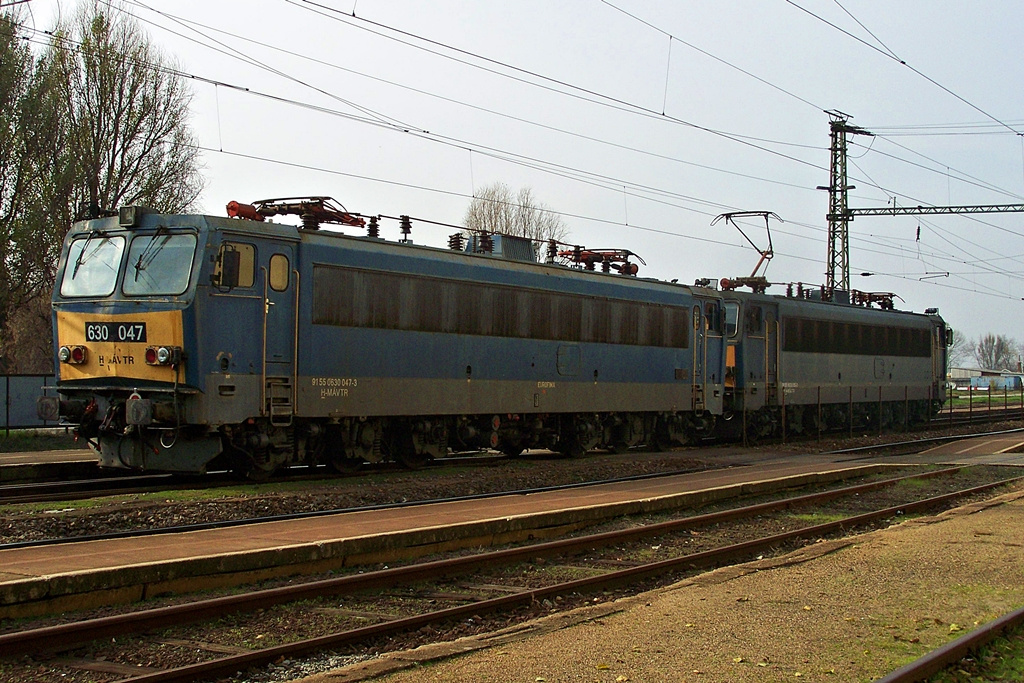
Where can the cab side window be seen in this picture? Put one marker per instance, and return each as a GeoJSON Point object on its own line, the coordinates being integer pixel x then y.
{"type": "Point", "coordinates": [279, 274]}
{"type": "Point", "coordinates": [732, 317]}
{"type": "Point", "coordinates": [246, 263]}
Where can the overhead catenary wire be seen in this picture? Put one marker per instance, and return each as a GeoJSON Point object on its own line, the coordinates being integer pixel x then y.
{"type": "Point", "coordinates": [494, 112]}
{"type": "Point", "coordinates": [647, 189]}
{"type": "Point", "coordinates": [143, 5]}
{"type": "Point", "coordinates": [570, 90]}
{"type": "Point", "coordinates": [462, 142]}
{"type": "Point", "coordinates": [890, 55]}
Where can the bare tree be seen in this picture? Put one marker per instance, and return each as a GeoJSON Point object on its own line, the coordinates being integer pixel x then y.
{"type": "Point", "coordinates": [496, 209]}
{"type": "Point", "coordinates": [100, 119]}
{"type": "Point", "coordinates": [128, 111]}
{"type": "Point", "coordinates": [961, 350]}
{"type": "Point", "coordinates": [996, 352]}
{"type": "Point", "coordinates": [30, 141]}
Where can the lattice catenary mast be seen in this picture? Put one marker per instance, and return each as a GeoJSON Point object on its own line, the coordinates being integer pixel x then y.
{"type": "Point", "coordinates": [840, 214]}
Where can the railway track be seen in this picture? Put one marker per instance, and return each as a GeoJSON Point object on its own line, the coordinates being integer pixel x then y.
{"type": "Point", "coordinates": [507, 585]}
{"type": "Point", "coordinates": [94, 484]}
{"type": "Point", "coordinates": [97, 483]}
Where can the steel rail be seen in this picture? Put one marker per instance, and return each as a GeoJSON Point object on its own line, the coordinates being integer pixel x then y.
{"type": "Point", "coordinates": [923, 668]}
{"type": "Point", "coordinates": [230, 665]}
{"type": "Point", "coordinates": [65, 636]}
{"type": "Point", "coordinates": [930, 439]}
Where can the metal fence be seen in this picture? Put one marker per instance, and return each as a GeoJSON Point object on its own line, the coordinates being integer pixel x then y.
{"type": "Point", "coordinates": [19, 393]}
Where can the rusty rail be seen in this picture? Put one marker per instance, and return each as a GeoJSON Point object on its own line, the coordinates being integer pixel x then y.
{"type": "Point", "coordinates": [229, 665]}
{"type": "Point", "coordinates": [952, 652]}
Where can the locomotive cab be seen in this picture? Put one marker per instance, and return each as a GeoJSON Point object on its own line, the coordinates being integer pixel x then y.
{"type": "Point", "coordinates": [123, 312]}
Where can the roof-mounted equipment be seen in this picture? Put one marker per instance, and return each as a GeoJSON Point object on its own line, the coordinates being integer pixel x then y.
{"type": "Point", "coordinates": [766, 254]}
{"type": "Point", "coordinates": [610, 259]}
{"type": "Point", "coordinates": [312, 210]}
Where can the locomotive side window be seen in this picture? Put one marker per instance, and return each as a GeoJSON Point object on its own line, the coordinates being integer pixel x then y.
{"type": "Point", "coordinates": [246, 263]}
{"type": "Point", "coordinates": [279, 272]}
{"type": "Point", "coordinates": [753, 323]}
{"type": "Point", "coordinates": [712, 318]}
{"type": "Point", "coordinates": [92, 265]}
{"type": "Point", "coordinates": [159, 264]}
{"type": "Point", "coordinates": [350, 297]}
{"type": "Point", "coordinates": [823, 336]}
{"type": "Point", "coordinates": [732, 318]}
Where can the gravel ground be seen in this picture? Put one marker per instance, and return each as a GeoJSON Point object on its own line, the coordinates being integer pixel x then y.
{"type": "Point", "coordinates": [847, 610]}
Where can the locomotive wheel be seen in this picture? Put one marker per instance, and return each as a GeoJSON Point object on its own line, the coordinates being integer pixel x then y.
{"type": "Point", "coordinates": [260, 469]}
{"type": "Point", "coordinates": [400, 446]}
{"type": "Point", "coordinates": [411, 460]}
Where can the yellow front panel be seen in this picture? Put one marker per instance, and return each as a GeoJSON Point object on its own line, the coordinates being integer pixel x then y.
{"type": "Point", "coordinates": [115, 358]}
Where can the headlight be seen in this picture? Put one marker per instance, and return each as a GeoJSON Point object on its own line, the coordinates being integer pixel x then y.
{"type": "Point", "coordinates": [73, 355]}
{"type": "Point", "coordinates": [163, 355]}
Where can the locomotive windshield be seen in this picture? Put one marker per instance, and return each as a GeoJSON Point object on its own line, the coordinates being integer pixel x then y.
{"type": "Point", "coordinates": [159, 264]}
{"type": "Point", "coordinates": [93, 261]}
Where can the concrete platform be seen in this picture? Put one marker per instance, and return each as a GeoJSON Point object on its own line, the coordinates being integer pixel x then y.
{"type": "Point", "coordinates": [45, 579]}
{"type": "Point", "coordinates": [37, 465]}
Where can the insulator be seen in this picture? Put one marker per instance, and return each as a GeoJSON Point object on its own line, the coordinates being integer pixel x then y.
{"type": "Point", "coordinates": [552, 251]}
{"type": "Point", "coordinates": [373, 229]}
{"type": "Point", "coordinates": [405, 227]}
{"type": "Point", "coordinates": [606, 265]}
{"type": "Point", "coordinates": [455, 241]}
{"type": "Point", "coordinates": [486, 243]}
{"type": "Point", "coordinates": [309, 221]}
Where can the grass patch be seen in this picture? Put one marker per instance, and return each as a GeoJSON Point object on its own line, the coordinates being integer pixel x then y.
{"type": "Point", "coordinates": [1000, 660]}
{"type": "Point", "coordinates": [818, 517]}
{"type": "Point", "coordinates": [18, 440]}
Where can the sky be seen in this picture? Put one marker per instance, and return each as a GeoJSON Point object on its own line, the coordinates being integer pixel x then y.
{"type": "Point", "coordinates": [639, 121]}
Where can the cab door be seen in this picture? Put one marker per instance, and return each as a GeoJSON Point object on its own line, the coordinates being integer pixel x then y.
{"type": "Point", "coordinates": [280, 289]}
{"type": "Point", "coordinates": [699, 358]}
{"type": "Point", "coordinates": [771, 358]}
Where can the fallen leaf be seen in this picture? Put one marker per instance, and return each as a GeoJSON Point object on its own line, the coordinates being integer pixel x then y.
{"type": "Point", "coordinates": [603, 667]}
{"type": "Point", "coordinates": [737, 660]}
{"type": "Point", "coordinates": [743, 599]}
{"type": "Point", "coordinates": [807, 608]}
{"type": "Point", "coordinates": [621, 679]}
{"type": "Point", "coordinates": [953, 628]}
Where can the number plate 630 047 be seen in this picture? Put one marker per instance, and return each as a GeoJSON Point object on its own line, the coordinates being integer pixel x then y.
{"type": "Point", "coordinates": [115, 332]}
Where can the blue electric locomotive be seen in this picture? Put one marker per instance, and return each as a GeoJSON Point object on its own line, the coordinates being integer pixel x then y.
{"type": "Point", "coordinates": [189, 342]}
